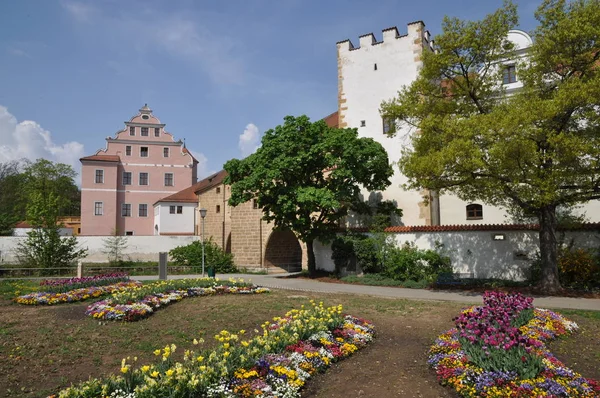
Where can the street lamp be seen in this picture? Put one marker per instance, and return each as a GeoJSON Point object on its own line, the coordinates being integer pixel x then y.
{"type": "Point", "coordinates": [203, 214]}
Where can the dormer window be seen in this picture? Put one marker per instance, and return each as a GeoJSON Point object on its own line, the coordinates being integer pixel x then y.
{"type": "Point", "coordinates": [509, 75]}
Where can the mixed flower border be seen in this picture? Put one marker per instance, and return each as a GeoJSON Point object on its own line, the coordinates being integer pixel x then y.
{"type": "Point", "coordinates": [274, 363]}
{"type": "Point", "coordinates": [75, 295]}
{"type": "Point", "coordinates": [454, 368]}
{"type": "Point", "coordinates": [110, 309]}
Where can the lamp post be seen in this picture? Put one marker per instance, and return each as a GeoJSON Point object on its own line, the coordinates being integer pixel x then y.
{"type": "Point", "coordinates": [203, 214]}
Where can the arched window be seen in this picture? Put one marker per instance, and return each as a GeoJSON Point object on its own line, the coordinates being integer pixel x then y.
{"type": "Point", "coordinates": [474, 212]}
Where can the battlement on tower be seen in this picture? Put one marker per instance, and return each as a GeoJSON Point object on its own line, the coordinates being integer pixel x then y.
{"type": "Point", "coordinates": [416, 31]}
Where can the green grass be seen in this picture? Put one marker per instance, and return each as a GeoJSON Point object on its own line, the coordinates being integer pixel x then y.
{"type": "Point", "coordinates": [584, 313]}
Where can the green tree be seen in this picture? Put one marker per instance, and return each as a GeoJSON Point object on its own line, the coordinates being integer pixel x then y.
{"type": "Point", "coordinates": [114, 246]}
{"type": "Point", "coordinates": [214, 256]}
{"type": "Point", "coordinates": [535, 149]}
{"type": "Point", "coordinates": [45, 178]}
{"type": "Point", "coordinates": [44, 247]}
{"type": "Point", "coordinates": [12, 199]}
{"type": "Point", "coordinates": [306, 176]}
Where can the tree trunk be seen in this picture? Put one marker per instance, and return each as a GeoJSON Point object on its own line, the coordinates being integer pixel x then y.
{"type": "Point", "coordinates": [549, 282]}
{"type": "Point", "coordinates": [312, 267]}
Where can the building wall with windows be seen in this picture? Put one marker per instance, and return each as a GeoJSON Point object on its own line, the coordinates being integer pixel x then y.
{"type": "Point", "coordinates": [140, 165]}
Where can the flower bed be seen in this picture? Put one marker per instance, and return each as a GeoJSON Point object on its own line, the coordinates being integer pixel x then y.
{"type": "Point", "coordinates": [111, 309]}
{"type": "Point", "coordinates": [66, 285]}
{"type": "Point", "coordinates": [276, 362]}
{"type": "Point", "coordinates": [49, 298]}
{"type": "Point", "coordinates": [498, 350]}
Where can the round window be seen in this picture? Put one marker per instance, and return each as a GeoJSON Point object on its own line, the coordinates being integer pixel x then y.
{"type": "Point", "coordinates": [145, 117]}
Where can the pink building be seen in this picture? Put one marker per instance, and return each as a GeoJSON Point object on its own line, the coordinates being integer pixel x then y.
{"type": "Point", "coordinates": [140, 165]}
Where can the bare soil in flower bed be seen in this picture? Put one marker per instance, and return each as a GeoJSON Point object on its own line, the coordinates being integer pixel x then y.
{"type": "Point", "coordinates": [43, 349]}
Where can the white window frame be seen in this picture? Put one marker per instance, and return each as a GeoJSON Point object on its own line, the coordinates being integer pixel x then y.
{"type": "Point", "coordinates": [123, 208]}
{"type": "Point", "coordinates": [144, 131]}
{"type": "Point", "coordinates": [166, 152]}
{"type": "Point", "coordinates": [132, 131]}
{"type": "Point", "coordinates": [147, 179]}
{"type": "Point", "coordinates": [140, 208]}
{"type": "Point", "coordinates": [147, 151]}
{"type": "Point", "coordinates": [130, 178]}
{"type": "Point", "coordinates": [179, 209]}
{"type": "Point", "coordinates": [157, 131]}
{"type": "Point", "coordinates": [101, 207]}
{"type": "Point", "coordinates": [172, 180]}
{"type": "Point", "coordinates": [172, 209]}
{"type": "Point", "coordinates": [128, 150]}
{"type": "Point", "coordinates": [96, 176]}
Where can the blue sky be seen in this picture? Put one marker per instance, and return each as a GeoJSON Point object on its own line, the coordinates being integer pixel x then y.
{"type": "Point", "coordinates": [218, 73]}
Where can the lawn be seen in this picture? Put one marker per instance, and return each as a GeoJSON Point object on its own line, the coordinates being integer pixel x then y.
{"type": "Point", "coordinates": [44, 349]}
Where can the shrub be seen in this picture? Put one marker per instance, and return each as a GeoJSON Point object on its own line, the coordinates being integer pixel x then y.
{"type": "Point", "coordinates": [214, 256]}
{"type": "Point", "coordinates": [577, 268]}
{"type": "Point", "coordinates": [412, 263]}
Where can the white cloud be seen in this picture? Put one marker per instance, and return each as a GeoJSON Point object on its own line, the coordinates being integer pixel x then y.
{"type": "Point", "coordinates": [174, 34]}
{"type": "Point", "coordinates": [81, 12]}
{"type": "Point", "coordinates": [249, 140]}
{"type": "Point", "coordinates": [27, 139]}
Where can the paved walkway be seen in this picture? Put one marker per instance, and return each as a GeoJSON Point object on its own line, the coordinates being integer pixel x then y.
{"type": "Point", "coordinates": [307, 285]}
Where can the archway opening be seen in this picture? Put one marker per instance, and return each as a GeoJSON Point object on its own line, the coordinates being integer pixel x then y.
{"type": "Point", "coordinates": [283, 252]}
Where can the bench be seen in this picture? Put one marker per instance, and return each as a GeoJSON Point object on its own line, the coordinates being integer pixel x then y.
{"type": "Point", "coordinates": [449, 278]}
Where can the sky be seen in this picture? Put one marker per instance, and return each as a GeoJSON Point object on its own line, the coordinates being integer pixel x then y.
{"type": "Point", "coordinates": [218, 73]}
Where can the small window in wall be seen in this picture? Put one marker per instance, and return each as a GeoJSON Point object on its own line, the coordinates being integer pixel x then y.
{"type": "Point", "coordinates": [363, 123]}
{"type": "Point", "coordinates": [172, 209]}
{"type": "Point", "coordinates": [165, 152]}
{"type": "Point", "coordinates": [98, 208]}
{"type": "Point", "coordinates": [168, 179]}
{"type": "Point", "coordinates": [143, 210]}
{"type": "Point", "coordinates": [157, 131]}
{"type": "Point", "coordinates": [255, 204]}
{"type": "Point", "coordinates": [128, 233]}
{"type": "Point", "coordinates": [128, 150]}
{"type": "Point", "coordinates": [509, 74]}
{"type": "Point", "coordinates": [143, 178]}
{"type": "Point", "coordinates": [375, 67]}
{"type": "Point", "coordinates": [218, 209]}
{"type": "Point", "coordinates": [218, 190]}
{"type": "Point", "coordinates": [126, 210]}
{"type": "Point", "coordinates": [144, 131]}
{"type": "Point", "coordinates": [144, 152]}
{"type": "Point", "coordinates": [179, 209]}
{"type": "Point", "coordinates": [474, 212]}
{"type": "Point", "coordinates": [131, 130]}
{"type": "Point", "coordinates": [99, 176]}
{"type": "Point", "coordinates": [127, 178]}
{"type": "Point", "coordinates": [388, 125]}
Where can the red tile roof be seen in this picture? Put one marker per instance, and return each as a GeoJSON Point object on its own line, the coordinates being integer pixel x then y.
{"type": "Point", "coordinates": [190, 194]}
{"type": "Point", "coordinates": [476, 227]}
{"type": "Point", "coordinates": [102, 158]}
{"type": "Point", "coordinates": [23, 224]}
{"type": "Point", "coordinates": [332, 120]}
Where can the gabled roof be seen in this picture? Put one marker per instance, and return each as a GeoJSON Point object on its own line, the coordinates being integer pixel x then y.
{"type": "Point", "coordinates": [190, 194]}
{"type": "Point", "coordinates": [185, 150]}
{"type": "Point", "coordinates": [102, 158]}
{"type": "Point", "coordinates": [332, 120]}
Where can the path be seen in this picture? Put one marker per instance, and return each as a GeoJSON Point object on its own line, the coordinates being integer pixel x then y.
{"type": "Point", "coordinates": [307, 285]}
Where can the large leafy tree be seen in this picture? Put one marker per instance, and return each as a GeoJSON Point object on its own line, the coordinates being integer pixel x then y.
{"type": "Point", "coordinates": [306, 177]}
{"type": "Point", "coordinates": [12, 200]}
{"type": "Point", "coordinates": [535, 149]}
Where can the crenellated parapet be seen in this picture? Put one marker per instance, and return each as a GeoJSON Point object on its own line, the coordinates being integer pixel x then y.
{"type": "Point", "coordinates": [415, 30]}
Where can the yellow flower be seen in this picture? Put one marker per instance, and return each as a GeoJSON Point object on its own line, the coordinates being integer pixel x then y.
{"type": "Point", "coordinates": [145, 368]}
{"type": "Point", "coordinates": [124, 369]}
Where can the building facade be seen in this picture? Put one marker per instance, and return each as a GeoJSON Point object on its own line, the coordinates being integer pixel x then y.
{"type": "Point", "coordinates": [140, 165]}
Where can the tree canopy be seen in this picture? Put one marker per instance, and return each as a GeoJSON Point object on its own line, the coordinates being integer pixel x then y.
{"type": "Point", "coordinates": [306, 177]}
{"type": "Point", "coordinates": [537, 148]}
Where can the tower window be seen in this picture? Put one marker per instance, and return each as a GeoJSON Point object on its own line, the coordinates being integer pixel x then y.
{"type": "Point", "coordinates": [474, 212]}
{"type": "Point", "coordinates": [157, 131]}
{"type": "Point", "coordinates": [255, 204]}
{"type": "Point", "coordinates": [218, 190]}
{"type": "Point", "coordinates": [218, 209]}
{"type": "Point", "coordinates": [144, 131]}
{"type": "Point", "coordinates": [100, 176]}
{"type": "Point", "coordinates": [509, 75]}
{"type": "Point", "coordinates": [131, 130]}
